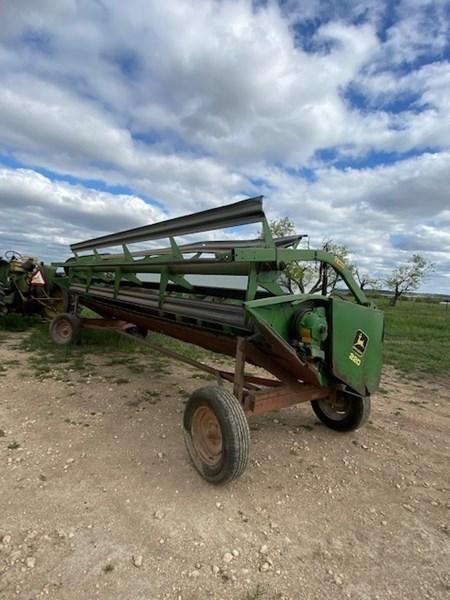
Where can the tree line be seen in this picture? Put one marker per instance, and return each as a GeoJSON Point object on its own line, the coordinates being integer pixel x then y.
{"type": "Point", "coordinates": [312, 278]}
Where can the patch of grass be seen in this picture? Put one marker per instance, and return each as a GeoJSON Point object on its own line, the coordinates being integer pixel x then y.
{"type": "Point", "coordinates": [108, 568]}
{"type": "Point", "coordinates": [50, 360]}
{"type": "Point", "coordinates": [133, 368]}
{"type": "Point", "coordinates": [48, 356]}
{"type": "Point", "coordinates": [257, 594]}
{"type": "Point", "coordinates": [18, 322]}
{"type": "Point", "coordinates": [39, 339]}
{"type": "Point", "coordinates": [11, 363]}
{"type": "Point", "coordinates": [120, 360]}
{"type": "Point", "coordinates": [105, 342]}
{"type": "Point", "coordinates": [200, 375]}
{"type": "Point", "coordinates": [157, 366]}
{"type": "Point", "coordinates": [417, 337]}
{"type": "Point", "coordinates": [152, 394]}
{"type": "Point", "coordinates": [109, 342]}
{"type": "Point", "coordinates": [190, 350]}
{"type": "Point", "coordinates": [13, 445]}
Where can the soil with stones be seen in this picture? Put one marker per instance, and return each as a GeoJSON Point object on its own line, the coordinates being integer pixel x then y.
{"type": "Point", "coordinates": [98, 498]}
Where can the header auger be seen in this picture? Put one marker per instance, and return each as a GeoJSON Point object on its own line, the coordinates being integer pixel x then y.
{"type": "Point", "coordinates": [318, 348]}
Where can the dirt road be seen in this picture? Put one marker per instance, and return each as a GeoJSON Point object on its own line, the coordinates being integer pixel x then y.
{"type": "Point", "coordinates": [98, 498]}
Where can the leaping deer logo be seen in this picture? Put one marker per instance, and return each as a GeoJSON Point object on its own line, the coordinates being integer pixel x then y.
{"type": "Point", "coordinates": [360, 343]}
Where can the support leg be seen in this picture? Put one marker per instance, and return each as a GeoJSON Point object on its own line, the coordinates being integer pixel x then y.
{"type": "Point", "coordinates": [239, 370]}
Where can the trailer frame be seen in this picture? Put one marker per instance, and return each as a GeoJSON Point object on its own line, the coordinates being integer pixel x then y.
{"type": "Point", "coordinates": [253, 326]}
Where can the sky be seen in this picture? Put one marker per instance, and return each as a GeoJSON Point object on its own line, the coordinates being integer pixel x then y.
{"type": "Point", "coordinates": [117, 114]}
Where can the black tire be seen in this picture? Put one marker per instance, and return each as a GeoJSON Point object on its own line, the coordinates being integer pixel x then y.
{"type": "Point", "coordinates": [348, 413]}
{"type": "Point", "coordinates": [65, 329]}
{"type": "Point", "coordinates": [3, 307]}
{"type": "Point", "coordinates": [216, 433]}
{"type": "Point", "coordinates": [136, 331]}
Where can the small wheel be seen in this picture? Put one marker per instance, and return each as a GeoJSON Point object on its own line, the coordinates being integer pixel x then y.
{"type": "Point", "coordinates": [3, 307]}
{"type": "Point", "coordinates": [136, 331]}
{"type": "Point", "coordinates": [65, 329]}
{"type": "Point", "coordinates": [344, 412]}
{"type": "Point", "coordinates": [9, 254]}
{"type": "Point", "coordinates": [217, 434]}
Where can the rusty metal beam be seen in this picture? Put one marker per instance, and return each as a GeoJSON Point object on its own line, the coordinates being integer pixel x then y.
{"type": "Point", "coordinates": [207, 339]}
{"type": "Point", "coordinates": [210, 340]}
{"type": "Point", "coordinates": [249, 382]}
{"type": "Point", "coordinates": [247, 388]}
{"type": "Point", "coordinates": [115, 324]}
{"type": "Point", "coordinates": [239, 369]}
{"type": "Point", "coordinates": [260, 401]}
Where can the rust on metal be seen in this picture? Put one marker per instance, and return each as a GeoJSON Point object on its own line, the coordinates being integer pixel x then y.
{"type": "Point", "coordinates": [239, 369]}
{"type": "Point", "coordinates": [210, 340]}
{"type": "Point", "coordinates": [249, 381]}
{"type": "Point", "coordinates": [207, 435]}
{"type": "Point", "coordinates": [261, 401]}
{"type": "Point", "coordinates": [115, 324]}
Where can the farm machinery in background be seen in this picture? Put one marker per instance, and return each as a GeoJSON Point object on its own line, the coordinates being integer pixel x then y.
{"type": "Point", "coordinates": [321, 349]}
{"type": "Point", "coordinates": [29, 287]}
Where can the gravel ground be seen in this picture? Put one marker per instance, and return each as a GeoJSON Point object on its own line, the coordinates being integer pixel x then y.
{"type": "Point", "coordinates": [99, 500]}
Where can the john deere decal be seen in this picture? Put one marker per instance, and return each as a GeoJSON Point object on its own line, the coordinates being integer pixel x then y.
{"type": "Point", "coordinates": [359, 347]}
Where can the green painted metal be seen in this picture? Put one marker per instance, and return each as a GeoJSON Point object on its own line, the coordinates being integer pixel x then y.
{"type": "Point", "coordinates": [330, 353]}
{"type": "Point", "coordinates": [261, 265]}
{"type": "Point", "coordinates": [283, 315]}
{"type": "Point", "coordinates": [357, 345]}
{"type": "Point", "coordinates": [277, 311]}
{"type": "Point", "coordinates": [311, 326]}
{"type": "Point", "coordinates": [20, 293]}
{"type": "Point", "coordinates": [313, 333]}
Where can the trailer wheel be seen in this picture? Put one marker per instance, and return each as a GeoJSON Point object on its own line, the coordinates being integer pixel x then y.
{"type": "Point", "coordinates": [65, 329]}
{"type": "Point", "coordinates": [136, 331]}
{"type": "Point", "coordinates": [3, 307]}
{"type": "Point", "coordinates": [346, 412]}
{"type": "Point", "coordinates": [217, 434]}
{"type": "Point", "coordinates": [60, 304]}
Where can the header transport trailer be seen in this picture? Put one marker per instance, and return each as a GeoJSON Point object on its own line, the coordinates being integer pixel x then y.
{"type": "Point", "coordinates": [318, 348]}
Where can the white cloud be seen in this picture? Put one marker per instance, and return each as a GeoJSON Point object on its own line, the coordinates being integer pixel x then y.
{"type": "Point", "coordinates": [382, 214]}
{"type": "Point", "coordinates": [50, 215]}
{"type": "Point", "coordinates": [222, 77]}
{"type": "Point", "coordinates": [422, 28]}
{"type": "Point", "coordinates": [194, 103]}
{"type": "Point", "coordinates": [225, 78]}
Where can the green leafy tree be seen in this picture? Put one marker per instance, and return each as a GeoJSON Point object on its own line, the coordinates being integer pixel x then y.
{"type": "Point", "coordinates": [324, 278]}
{"type": "Point", "coordinates": [408, 277]}
{"type": "Point", "coordinates": [293, 276]}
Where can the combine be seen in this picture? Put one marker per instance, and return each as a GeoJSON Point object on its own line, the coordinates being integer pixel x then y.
{"type": "Point", "coordinates": [316, 348]}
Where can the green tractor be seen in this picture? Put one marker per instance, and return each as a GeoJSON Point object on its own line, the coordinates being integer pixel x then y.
{"type": "Point", "coordinates": [29, 287]}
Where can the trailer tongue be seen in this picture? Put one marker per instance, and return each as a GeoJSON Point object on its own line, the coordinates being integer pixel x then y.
{"type": "Point", "coordinates": [318, 348]}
